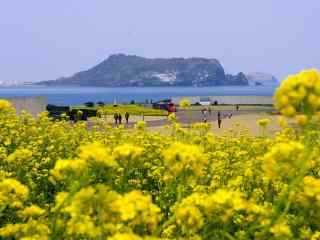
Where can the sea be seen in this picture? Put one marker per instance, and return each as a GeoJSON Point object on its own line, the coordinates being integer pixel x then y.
{"type": "Point", "coordinates": [80, 95]}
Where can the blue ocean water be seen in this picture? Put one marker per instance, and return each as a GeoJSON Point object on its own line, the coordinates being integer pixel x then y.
{"type": "Point", "coordinates": [80, 95]}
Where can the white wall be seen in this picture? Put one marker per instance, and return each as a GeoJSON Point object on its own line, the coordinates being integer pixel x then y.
{"type": "Point", "coordinates": [33, 105]}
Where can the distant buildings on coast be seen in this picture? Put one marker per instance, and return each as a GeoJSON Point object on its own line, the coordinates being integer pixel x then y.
{"type": "Point", "coordinates": [232, 100]}
{"type": "Point", "coordinates": [13, 83]}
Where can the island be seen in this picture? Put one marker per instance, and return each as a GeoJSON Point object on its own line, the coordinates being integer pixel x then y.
{"type": "Point", "coordinates": [122, 70]}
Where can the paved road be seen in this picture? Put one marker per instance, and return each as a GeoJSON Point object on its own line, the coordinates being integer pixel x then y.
{"type": "Point", "coordinates": [187, 117]}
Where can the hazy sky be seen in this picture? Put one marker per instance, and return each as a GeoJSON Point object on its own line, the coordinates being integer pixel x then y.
{"type": "Point", "coordinates": [46, 39]}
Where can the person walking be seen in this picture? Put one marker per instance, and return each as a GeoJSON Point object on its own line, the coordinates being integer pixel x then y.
{"type": "Point", "coordinates": [127, 115]}
{"type": "Point", "coordinates": [219, 119]}
{"type": "Point", "coordinates": [120, 118]}
{"type": "Point", "coordinates": [205, 120]}
{"type": "Point", "coordinates": [204, 114]}
{"type": "Point", "coordinates": [116, 117]}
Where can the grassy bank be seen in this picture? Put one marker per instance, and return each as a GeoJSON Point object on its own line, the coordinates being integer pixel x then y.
{"type": "Point", "coordinates": [132, 109]}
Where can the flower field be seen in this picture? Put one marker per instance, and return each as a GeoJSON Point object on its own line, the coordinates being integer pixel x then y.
{"type": "Point", "coordinates": [62, 181]}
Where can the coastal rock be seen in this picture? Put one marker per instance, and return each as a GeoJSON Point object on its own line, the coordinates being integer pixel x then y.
{"type": "Point", "coordinates": [262, 79]}
{"type": "Point", "coordinates": [239, 79]}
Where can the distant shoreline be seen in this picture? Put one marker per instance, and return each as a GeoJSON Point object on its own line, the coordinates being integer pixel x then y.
{"type": "Point", "coordinates": [77, 86]}
{"type": "Point", "coordinates": [80, 95]}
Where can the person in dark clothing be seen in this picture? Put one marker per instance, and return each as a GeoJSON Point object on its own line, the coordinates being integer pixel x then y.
{"type": "Point", "coordinates": [204, 115]}
{"type": "Point", "coordinates": [219, 119]}
{"type": "Point", "coordinates": [120, 118]}
{"type": "Point", "coordinates": [126, 115]}
{"type": "Point", "coordinates": [116, 117]}
{"type": "Point", "coordinates": [237, 107]}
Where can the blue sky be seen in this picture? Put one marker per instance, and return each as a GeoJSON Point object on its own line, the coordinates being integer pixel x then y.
{"type": "Point", "coordinates": [42, 40]}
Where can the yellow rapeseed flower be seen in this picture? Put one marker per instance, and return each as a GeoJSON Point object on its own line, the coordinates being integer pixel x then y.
{"type": "Point", "coordinates": [127, 151]}
{"type": "Point", "coordinates": [125, 236]}
{"type": "Point", "coordinates": [12, 193]}
{"type": "Point", "coordinates": [281, 230]}
{"type": "Point", "coordinates": [299, 93]}
{"type": "Point", "coordinates": [263, 122]}
{"type": "Point", "coordinates": [179, 157]}
{"type": "Point", "coordinates": [172, 117]}
{"type": "Point", "coordinates": [138, 208]}
{"type": "Point", "coordinates": [97, 152]}
{"type": "Point", "coordinates": [4, 105]}
{"type": "Point", "coordinates": [189, 217]}
{"type": "Point", "coordinates": [69, 168]}
{"type": "Point", "coordinates": [32, 211]}
{"type": "Point", "coordinates": [302, 119]}
{"type": "Point", "coordinates": [311, 187]}
{"type": "Point", "coordinates": [140, 125]}
{"type": "Point", "coordinates": [184, 103]}
{"type": "Point", "coordinates": [19, 156]}
{"type": "Point", "coordinates": [316, 236]}
{"type": "Point", "coordinates": [282, 122]}
{"type": "Point", "coordinates": [283, 159]}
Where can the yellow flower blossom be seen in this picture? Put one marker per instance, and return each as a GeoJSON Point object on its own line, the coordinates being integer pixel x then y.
{"type": "Point", "coordinates": [4, 105]}
{"type": "Point", "coordinates": [263, 122]}
{"type": "Point", "coordinates": [282, 122]}
{"type": "Point", "coordinates": [302, 119]}
{"type": "Point", "coordinates": [67, 168]}
{"type": "Point", "coordinates": [172, 117]}
{"type": "Point", "coordinates": [311, 187]}
{"type": "Point", "coordinates": [184, 103]}
{"type": "Point", "coordinates": [127, 151]}
{"type": "Point", "coordinates": [138, 208]}
{"type": "Point", "coordinates": [281, 230]}
{"type": "Point", "coordinates": [32, 211]}
{"type": "Point", "coordinates": [179, 157]}
{"type": "Point", "coordinates": [98, 153]}
{"type": "Point", "coordinates": [19, 156]}
{"type": "Point", "coordinates": [83, 225]}
{"type": "Point", "coordinates": [299, 93]}
{"type": "Point", "coordinates": [125, 236]}
{"type": "Point", "coordinates": [283, 160]}
{"type": "Point", "coordinates": [189, 217]}
{"type": "Point", "coordinates": [316, 236]}
{"type": "Point", "coordinates": [30, 230]}
{"type": "Point", "coordinates": [12, 193]}
{"type": "Point", "coordinates": [140, 125]}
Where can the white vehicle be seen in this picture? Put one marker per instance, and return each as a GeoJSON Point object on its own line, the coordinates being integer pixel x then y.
{"type": "Point", "coordinates": [205, 101]}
